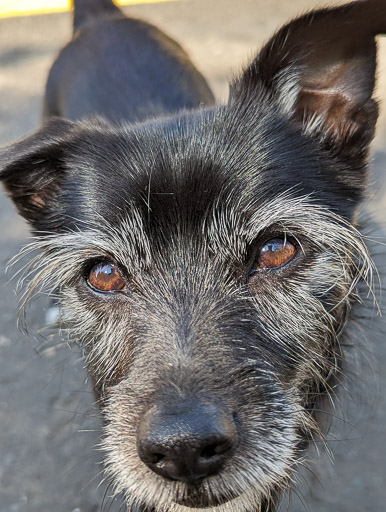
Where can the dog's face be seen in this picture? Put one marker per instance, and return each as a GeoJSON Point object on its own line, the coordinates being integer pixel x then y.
{"type": "Point", "coordinates": [207, 264]}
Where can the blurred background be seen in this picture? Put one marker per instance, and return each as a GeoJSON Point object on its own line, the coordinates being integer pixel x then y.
{"type": "Point", "coordinates": [49, 427]}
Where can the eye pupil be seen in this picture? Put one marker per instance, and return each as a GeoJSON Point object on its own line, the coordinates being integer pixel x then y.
{"type": "Point", "coordinates": [273, 254]}
{"type": "Point", "coordinates": [105, 277]}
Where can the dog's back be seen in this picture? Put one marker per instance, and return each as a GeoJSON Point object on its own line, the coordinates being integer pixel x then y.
{"type": "Point", "coordinates": [121, 68]}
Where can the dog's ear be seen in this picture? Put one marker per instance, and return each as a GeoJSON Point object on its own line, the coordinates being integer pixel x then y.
{"type": "Point", "coordinates": [320, 71]}
{"type": "Point", "coordinates": [32, 170]}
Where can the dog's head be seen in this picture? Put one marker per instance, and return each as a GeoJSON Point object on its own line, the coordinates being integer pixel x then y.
{"type": "Point", "coordinates": [208, 262]}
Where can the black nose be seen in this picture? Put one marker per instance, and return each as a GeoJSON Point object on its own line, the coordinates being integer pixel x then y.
{"type": "Point", "coordinates": [189, 445]}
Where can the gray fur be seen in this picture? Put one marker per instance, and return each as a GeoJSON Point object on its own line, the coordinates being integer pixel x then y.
{"type": "Point", "coordinates": [180, 198]}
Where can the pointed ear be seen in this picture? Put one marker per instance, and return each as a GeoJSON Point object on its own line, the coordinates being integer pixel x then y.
{"type": "Point", "coordinates": [32, 170]}
{"type": "Point", "coordinates": [320, 71]}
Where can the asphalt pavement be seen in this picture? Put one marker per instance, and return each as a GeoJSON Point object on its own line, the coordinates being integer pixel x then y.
{"type": "Point", "coordinates": [49, 427]}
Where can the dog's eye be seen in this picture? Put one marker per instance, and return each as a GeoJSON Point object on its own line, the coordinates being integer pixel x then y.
{"type": "Point", "coordinates": [273, 254]}
{"type": "Point", "coordinates": [105, 277]}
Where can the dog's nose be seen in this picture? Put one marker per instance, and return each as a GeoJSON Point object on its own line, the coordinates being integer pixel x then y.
{"type": "Point", "coordinates": [187, 446]}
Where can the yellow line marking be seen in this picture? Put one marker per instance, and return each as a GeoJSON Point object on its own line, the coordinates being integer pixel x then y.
{"type": "Point", "coordinates": [10, 8]}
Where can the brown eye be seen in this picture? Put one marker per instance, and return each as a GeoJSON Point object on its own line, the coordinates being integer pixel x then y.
{"type": "Point", "coordinates": [105, 277]}
{"type": "Point", "coordinates": [274, 253]}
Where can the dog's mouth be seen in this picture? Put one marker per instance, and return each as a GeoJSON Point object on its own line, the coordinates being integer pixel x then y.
{"type": "Point", "coordinates": [204, 502]}
{"type": "Point", "coordinates": [196, 496]}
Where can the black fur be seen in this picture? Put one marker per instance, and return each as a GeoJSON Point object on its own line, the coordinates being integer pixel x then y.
{"type": "Point", "coordinates": [182, 196]}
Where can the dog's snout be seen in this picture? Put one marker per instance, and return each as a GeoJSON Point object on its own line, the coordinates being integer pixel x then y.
{"type": "Point", "coordinates": [187, 446]}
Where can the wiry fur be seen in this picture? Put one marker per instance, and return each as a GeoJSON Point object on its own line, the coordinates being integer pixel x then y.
{"type": "Point", "coordinates": [303, 319]}
{"type": "Point", "coordinates": [183, 204]}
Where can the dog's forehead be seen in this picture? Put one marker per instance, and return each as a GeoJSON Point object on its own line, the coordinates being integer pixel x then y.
{"type": "Point", "coordinates": [177, 171]}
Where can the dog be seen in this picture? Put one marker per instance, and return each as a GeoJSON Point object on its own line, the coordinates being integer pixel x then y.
{"type": "Point", "coordinates": [208, 257]}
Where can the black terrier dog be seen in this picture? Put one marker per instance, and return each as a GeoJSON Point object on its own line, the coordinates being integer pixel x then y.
{"type": "Point", "coordinates": [207, 257]}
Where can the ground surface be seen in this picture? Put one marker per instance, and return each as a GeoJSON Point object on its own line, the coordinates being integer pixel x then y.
{"type": "Point", "coordinates": [48, 426]}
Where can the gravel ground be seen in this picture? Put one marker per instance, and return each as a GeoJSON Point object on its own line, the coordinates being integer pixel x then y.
{"type": "Point", "coordinates": [48, 424]}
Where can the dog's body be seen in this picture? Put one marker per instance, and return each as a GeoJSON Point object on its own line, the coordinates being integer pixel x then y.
{"type": "Point", "coordinates": [205, 255]}
{"type": "Point", "coordinates": [122, 69]}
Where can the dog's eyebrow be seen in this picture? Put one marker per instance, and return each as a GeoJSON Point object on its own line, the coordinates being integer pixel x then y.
{"type": "Point", "coordinates": [127, 243]}
{"type": "Point", "coordinates": [232, 229]}
{"type": "Point", "coordinates": [248, 221]}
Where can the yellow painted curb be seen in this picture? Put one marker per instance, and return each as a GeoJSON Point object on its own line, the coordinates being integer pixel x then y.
{"type": "Point", "coordinates": [10, 8]}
